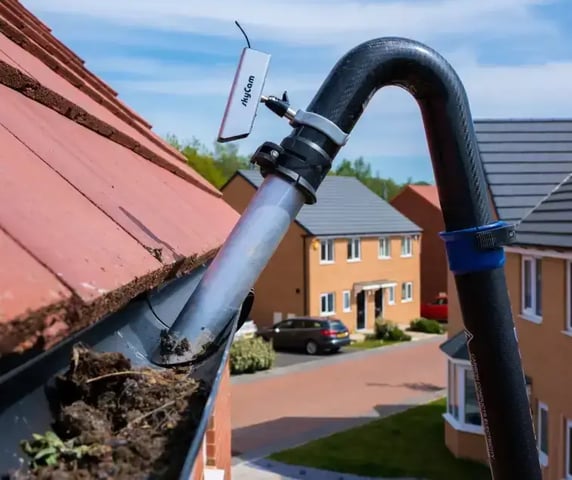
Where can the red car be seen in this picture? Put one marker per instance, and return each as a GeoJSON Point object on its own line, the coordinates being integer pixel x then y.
{"type": "Point", "coordinates": [438, 309]}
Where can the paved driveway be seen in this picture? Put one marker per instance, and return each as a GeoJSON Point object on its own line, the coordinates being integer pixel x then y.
{"type": "Point", "coordinates": [286, 359]}
{"type": "Point", "coordinates": [296, 404]}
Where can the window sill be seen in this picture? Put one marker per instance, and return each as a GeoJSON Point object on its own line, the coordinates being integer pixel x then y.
{"type": "Point", "coordinates": [391, 303]}
{"type": "Point", "coordinates": [407, 300]}
{"type": "Point", "coordinates": [354, 260]}
{"type": "Point", "coordinates": [531, 318]}
{"type": "Point", "coordinates": [384, 258]}
{"type": "Point", "coordinates": [462, 427]}
{"type": "Point", "coordinates": [328, 262]}
{"type": "Point", "coordinates": [407, 256]}
{"type": "Point", "coordinates": [327, 314]}
{"type": "Point", "coordinates": [347, 311]}
{"type": "Point", "coordinates": [568, 333]}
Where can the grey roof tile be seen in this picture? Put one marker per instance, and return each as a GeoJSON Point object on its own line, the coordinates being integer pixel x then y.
{"type": "Point", "coordinates": [456, 347]}
{"type": "Point", "coordinates": [346, 207]}
{"type": "Point", "coordinates": [524, 161]}
{"type": "Point", "coordinates": [550, 223]}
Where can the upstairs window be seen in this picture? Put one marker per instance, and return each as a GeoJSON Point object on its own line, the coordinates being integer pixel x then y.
{"type": "Point", "coordinates": [569, 296]}
{"type": "Point", "coordinates": [384, 248]}
{"type": "Point", "coordinates": [354, 249]}
{"type": "Point", "coordinates": [532, 288]}
{"type": "Point", "coordinates": [327, 251]}
{"type": "Point", "coordinates": [406, 247]}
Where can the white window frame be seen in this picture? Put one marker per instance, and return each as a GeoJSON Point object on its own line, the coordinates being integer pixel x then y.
{"type": "Point", "coordinates": [352, 242]}
{"type": "Point", "coordinates": [530, 313]}
{"type": "Point", "coordinates": [542, 456]}
{"type": "Point", "coordinates": [391, 295]}
{"type": "Point", "coordinates": [346, 295]}
{"type": "Point", "coordinates": [407, 252]}
{"type": "Point", "coordinates": [407, 298]}
{"type": "Point", "coordinates": [568, 297]}
{"type": "Point", "coordinates": [325, 313]}
{"type": "Point", "coordinates": [567, 446]}
{"type": "Point", "coordinates": [381, 254]}
{"type": "Point", "coordinates": [329, 244]}
{"type": "Point", "coordinates": [458, 368]}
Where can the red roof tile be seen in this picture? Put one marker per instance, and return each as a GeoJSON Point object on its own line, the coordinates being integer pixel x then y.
{"type": "Point", "coordinates": [97, 207]}
{"type": "Point", "coordinates": [428, 192]}
{"type": "Point", "coordinates": [25, 285]}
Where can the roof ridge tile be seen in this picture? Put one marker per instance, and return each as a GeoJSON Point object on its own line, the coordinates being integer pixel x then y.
{"type": "Point", "coordinates": [15, 79]}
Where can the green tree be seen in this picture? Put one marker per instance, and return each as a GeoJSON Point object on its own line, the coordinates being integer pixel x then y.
{"type": "Point", "coordinates": [228, 160]}
{"type": "Point", "coordinates": [219, 165]}
{"type": "Point", "coordinates": [199, 159]}
{"type": "Point", "coordinates": [386, 188]}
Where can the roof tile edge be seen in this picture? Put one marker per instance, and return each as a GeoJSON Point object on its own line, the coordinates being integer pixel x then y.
{"type": "Point", "coordinates": [50, 325]}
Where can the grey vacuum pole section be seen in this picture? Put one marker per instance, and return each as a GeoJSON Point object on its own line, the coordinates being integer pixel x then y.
{"type": "Point", "coordinates": [236, 268]}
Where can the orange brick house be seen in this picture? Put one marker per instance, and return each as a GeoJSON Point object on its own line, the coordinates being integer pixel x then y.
{"type": "Point", "coordinates": [351, 255]}
{"type": "Point", "coordinates": [528, 166]}
{"type": "Point", "coordinates": [92, 201]}
{"type": "Point", "coordinates": [420, 203]}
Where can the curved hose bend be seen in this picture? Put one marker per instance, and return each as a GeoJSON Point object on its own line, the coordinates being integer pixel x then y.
{"type": "Point", "coordinates": [439, 92]}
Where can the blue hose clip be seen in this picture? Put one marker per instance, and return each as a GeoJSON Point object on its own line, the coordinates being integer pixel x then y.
{"type": "Point", "coordinates": [478, 248]}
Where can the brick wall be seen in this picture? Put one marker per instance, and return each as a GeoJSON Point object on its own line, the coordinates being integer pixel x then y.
{"type": "Point", "coordinates": [216, 451]}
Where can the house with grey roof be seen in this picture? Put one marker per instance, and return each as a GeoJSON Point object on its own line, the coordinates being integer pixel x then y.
{"type": "Point", "coordinates": [350, 256]}
{"type": "Point", "coordinates": [528, 166]}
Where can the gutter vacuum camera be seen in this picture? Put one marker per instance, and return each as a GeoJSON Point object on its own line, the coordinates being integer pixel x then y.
{"type": "Point", "coordinates": [245, 94]}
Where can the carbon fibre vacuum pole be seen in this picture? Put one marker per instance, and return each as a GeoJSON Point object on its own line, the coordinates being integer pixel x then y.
{"type": "Point", "coordinates": [295, 169]}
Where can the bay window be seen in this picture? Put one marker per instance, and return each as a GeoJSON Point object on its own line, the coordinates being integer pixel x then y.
{"type": "Point", "coordinates": [463, 411]}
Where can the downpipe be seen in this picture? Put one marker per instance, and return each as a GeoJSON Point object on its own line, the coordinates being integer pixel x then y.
{"type": "Point", "coordinates": [293, 172]}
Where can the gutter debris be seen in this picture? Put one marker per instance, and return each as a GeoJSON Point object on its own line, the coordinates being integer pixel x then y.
{"type": "Point", "coordinates": [172, 345]}
{"type": "Point", "coordinates": [116, 421]}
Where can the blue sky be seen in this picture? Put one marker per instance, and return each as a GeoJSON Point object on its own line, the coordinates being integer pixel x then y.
{"type": "Point", "coordinates": [173, 61]}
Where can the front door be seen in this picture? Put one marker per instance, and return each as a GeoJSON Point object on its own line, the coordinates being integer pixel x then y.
{"type": "Point", "coordinates": [379, 303]}
{"type": "Point", "coordinates": [360, 304]}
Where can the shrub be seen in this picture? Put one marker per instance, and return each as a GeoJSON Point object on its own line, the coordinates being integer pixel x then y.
{"type": "Point", "coordinates": [426, 326]}
{"type": "Point", "coordinates": [387, 330]}
{"type": "Point", "coordinates": [249, 355]}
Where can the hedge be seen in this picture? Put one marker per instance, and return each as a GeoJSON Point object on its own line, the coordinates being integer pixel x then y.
{"type": "Point", "coordinates": [387, 330]}
{"type": "Point", "coordinates": [426, 326]}
{"type": "Point", "coordinates": [249, 355]}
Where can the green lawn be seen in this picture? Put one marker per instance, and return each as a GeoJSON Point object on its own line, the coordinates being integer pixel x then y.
{"type": "Point", "coordinates": [371, 343]}
{"type": "Point", "coordinates": [408, 444]}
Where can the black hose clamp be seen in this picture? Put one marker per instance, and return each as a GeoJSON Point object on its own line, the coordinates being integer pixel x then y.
{"type": "Point", "coordinates": [274, 159]}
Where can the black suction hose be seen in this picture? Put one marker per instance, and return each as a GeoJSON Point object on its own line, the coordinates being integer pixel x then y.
{"type": "Point", "coordinates": [474, 241]}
